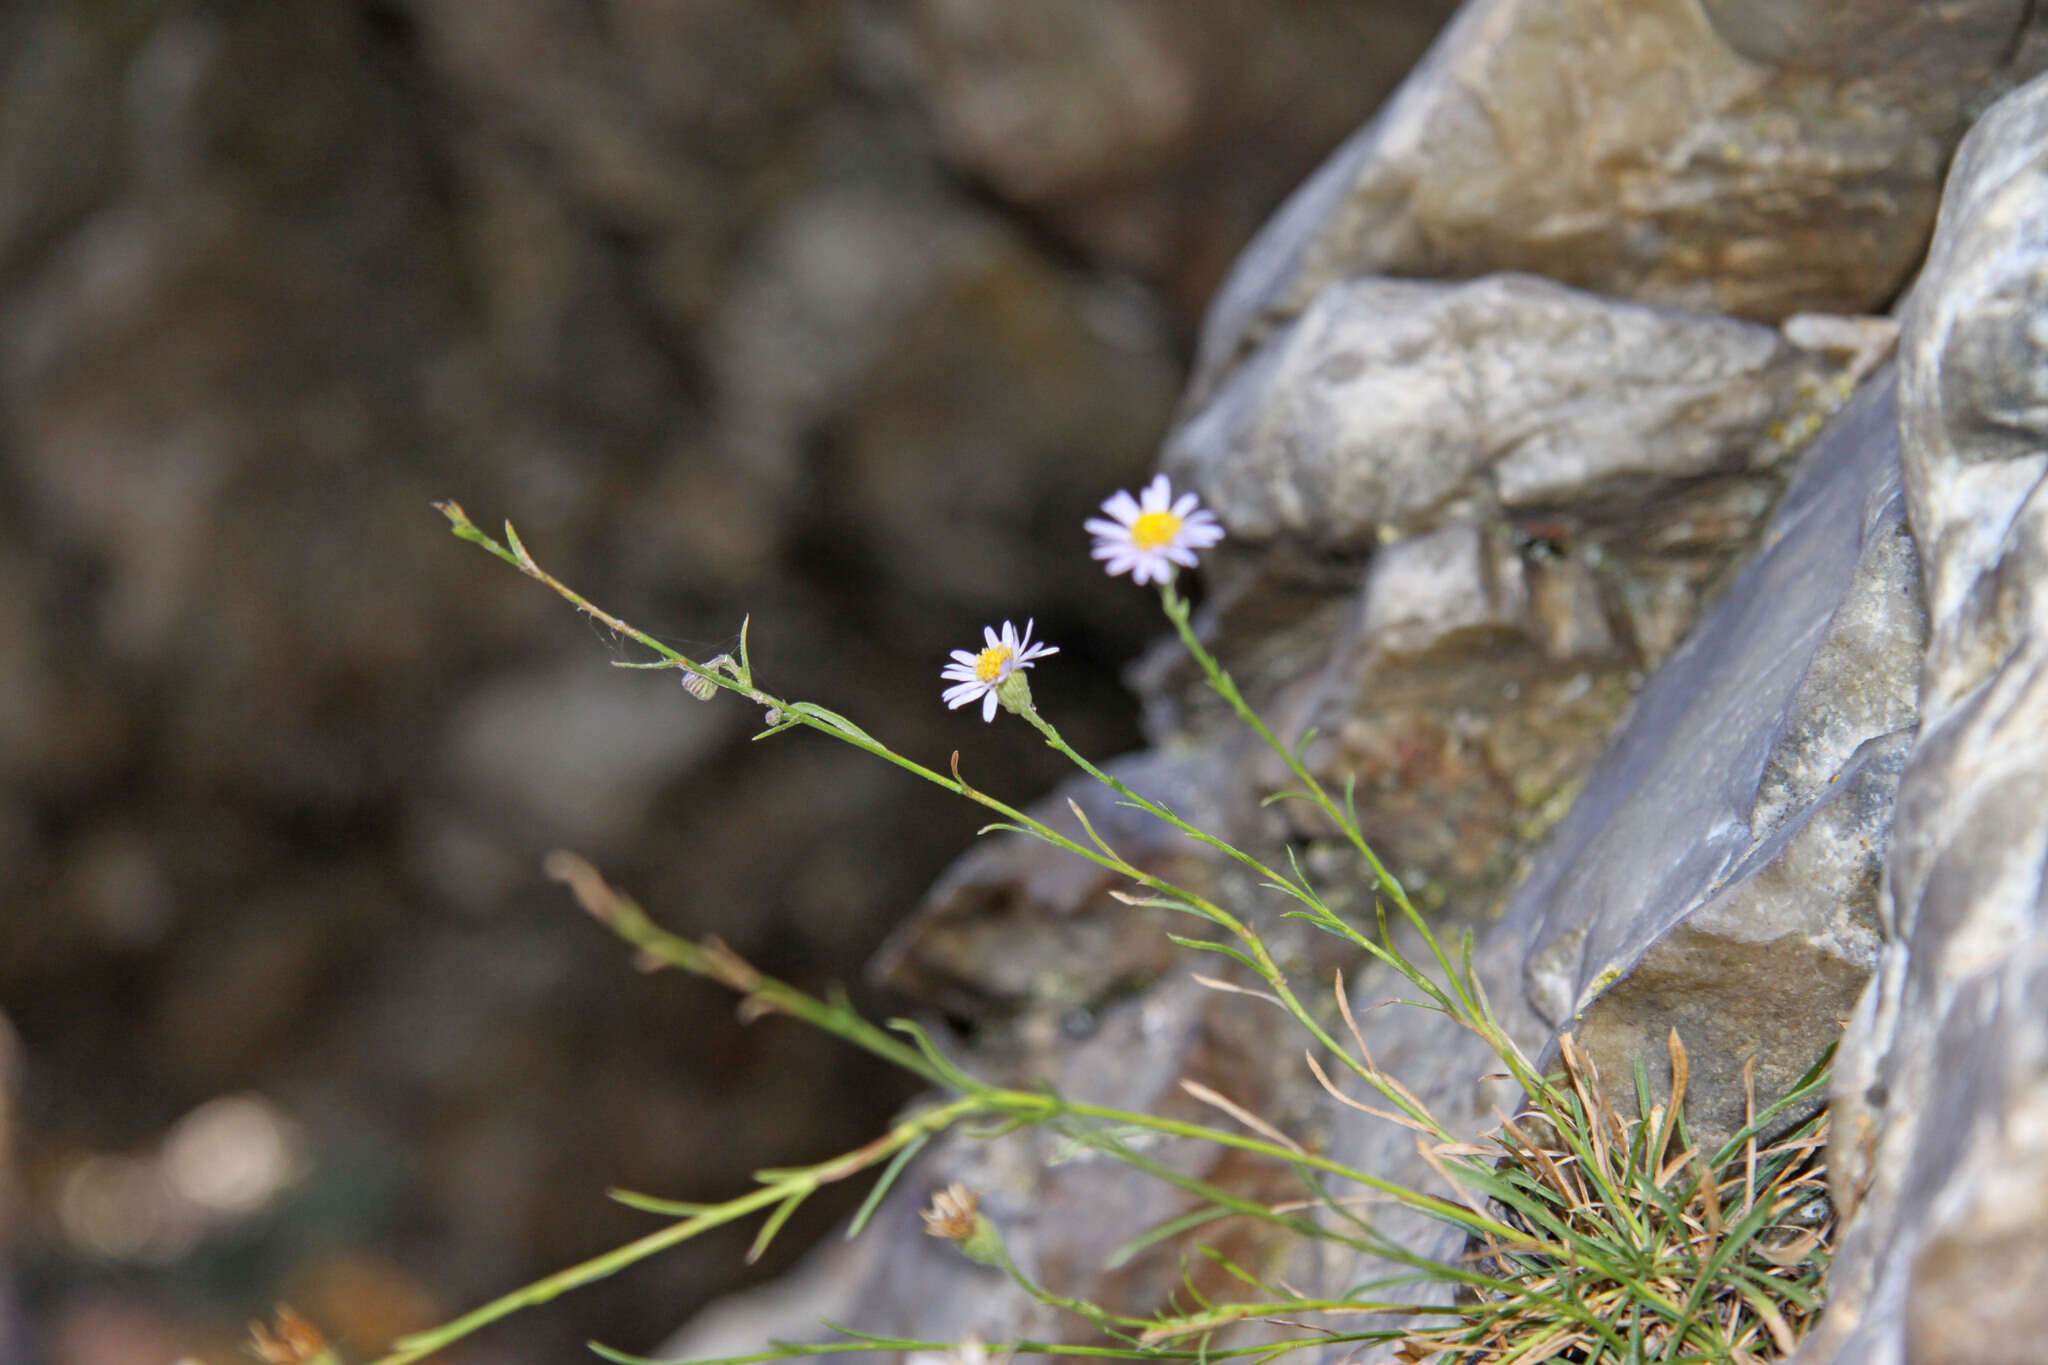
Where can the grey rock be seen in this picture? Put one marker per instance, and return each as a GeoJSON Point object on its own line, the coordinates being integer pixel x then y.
{"type": "Point", "coordinates": [1719, 872]}
{"type": "Point", "coordinates": [1390, 399]}
{"type": "Point", "coordinates": [1720, 157]}
{"type": "Point", "coordinates": [1014, 927]}
{"type": "Point", "coordinates": [1528, 494]}
{"type": "Point", "coordinates": [1942, 1082]}
{"type": "Point", "coordinates": [1765, 970]}
{"type": "Point", "coordinates": [1429, 586]}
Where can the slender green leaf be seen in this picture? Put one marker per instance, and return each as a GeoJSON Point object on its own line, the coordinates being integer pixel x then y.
{"type": "Point", "coordinates": [1203, 945]}
{"type": "Point", "coordinates": [668, 1208]}
{"type": "Point", "coordinates": [775, 1221]}
{"type": "Point", "coordinates": [940, 1063]}
{"type": "Point", "coordinates": [831, 718]}
{"type": "Point", "coordinates": [1160, 1232]}
{"type": "Point", "coordinates": [883, 1183]}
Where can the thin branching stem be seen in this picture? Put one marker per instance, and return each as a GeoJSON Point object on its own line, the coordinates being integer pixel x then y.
{"type": "Point", "coordinates": [785, 714]}
{"type": "Point", "coordinates": [1587, 1241]}
{"type": "Point", "coordinates": [420, 1345]}
{"type": "Point", "coordinates": [1180, 612]}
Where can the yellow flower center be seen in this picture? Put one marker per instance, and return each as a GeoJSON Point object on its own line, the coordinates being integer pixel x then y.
{"type": "Point", "coordinates": [989, 667]}
{"type": "Point", "coordinates": [1154, 530]}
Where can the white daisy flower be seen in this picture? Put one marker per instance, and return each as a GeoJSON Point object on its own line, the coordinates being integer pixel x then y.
{"type": "Point", "coordinates": [1152, 532]}
{"type": "Point", "coordinates": [982, 675]}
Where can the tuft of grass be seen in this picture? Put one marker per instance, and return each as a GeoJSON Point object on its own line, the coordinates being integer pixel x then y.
{"type": "Point", "coordinates": [1642, 1247]}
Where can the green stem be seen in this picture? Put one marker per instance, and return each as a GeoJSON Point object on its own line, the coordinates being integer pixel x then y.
{"type": "Point", "coordinates": [423, 1344]}
{"type": "Point", "coordinates": [1430, 1204]}
{"type": "Point", "coordinates": [1269, 971]}
{"type": "Point", "coordinates": [1180, 613]}
{"type": "Point", "coordinates": [787, 713]}
{"type": "Point", "coordinates": [712, 959]}
{"type": "Point", "coordinates": [1116, 784]}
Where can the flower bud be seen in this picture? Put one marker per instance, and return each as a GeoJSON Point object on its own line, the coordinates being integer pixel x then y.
{"type": "Point", "coordinates": [1014, 692]}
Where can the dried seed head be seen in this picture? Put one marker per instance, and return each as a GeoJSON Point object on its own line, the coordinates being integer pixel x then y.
{"type": "Point", "coordinates": [953, 1213]}
{"type": "Point", "coordinates": [294, 1341]}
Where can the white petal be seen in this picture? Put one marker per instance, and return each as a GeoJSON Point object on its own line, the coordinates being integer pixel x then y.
{"type": "Point", "coordinates": [1110, 530]}
{"type": "Point", "coordinates": [1185, 505]}
{"type": "Point", "coordinates": [1123, 507]}
{"type": "Point", "coordinates": [988, 706]}
{"type": "Point", "coordinates": [1157, 494]}
{"type": "Point", "coordinates": [962, 656]}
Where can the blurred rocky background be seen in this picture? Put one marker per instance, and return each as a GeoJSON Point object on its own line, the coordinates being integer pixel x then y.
{"type": "Point", "coordinates": [838, 312]}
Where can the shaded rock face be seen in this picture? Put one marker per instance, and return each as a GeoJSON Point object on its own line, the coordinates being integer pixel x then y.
{"type": "Point", "coordinates": [1942, 1087]}
{"type": "Point", "coordinates": [1475, 517]}
{"type": "Point", "coordinates": [1745, 158]}
{"type": "Point", "coordinates": [1391, 402]}
{"type": "Point", "coordinates": [1697, 735]}
{"type": "Point", "coordinates": [1007, 929]}
{"type": "Point", "coordinates": [1719, 873]}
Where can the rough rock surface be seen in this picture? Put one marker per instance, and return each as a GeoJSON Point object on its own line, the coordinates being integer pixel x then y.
{"type": "Point", "coordinates": [1741, 158]}
{"type": "Point", "coordinates": [1389, 402]}
{"type": "Point", "coordinates": [1941, 1094]}
{"type": "Point", "coordinates": [1473, 519]}
{"type": "Point", "coordinates": [1719, 872]}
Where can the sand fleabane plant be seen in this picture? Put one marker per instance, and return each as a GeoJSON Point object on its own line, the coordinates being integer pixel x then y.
{"type": "Point", "coordinates": [1148, 535]}
{"type": "Point", "coordinates": [1593, 1237]}
{"type": "Point", "coordinates": [995, 674]}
